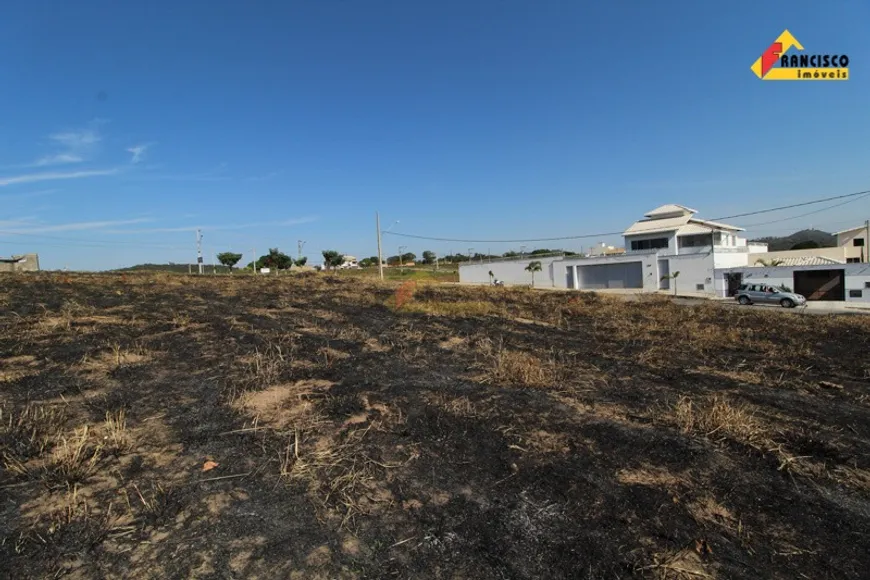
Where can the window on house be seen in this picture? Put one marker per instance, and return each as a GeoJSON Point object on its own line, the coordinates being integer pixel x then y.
{"type": "Point", "coordinates": [853, 260]}
{"type": "Point", "coordinates": [866, 284]}
{"type": "Point", "coordinates": [856, 293]}
{"type": "Point", "coordinates": [699, 287]}
{"type": "Point", "coordinates": [694, 241]}
{"type": "Point", "coordinates": [858, 242]}
{"type": "Point", "coordinates": [653, 244]}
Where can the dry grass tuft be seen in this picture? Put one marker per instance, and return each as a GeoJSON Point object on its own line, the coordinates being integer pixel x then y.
{"type": "Point", "coordinates": [512, 367]}
{"type": "Point", "coordinates": [338, 473]}
{"type": "Point", "coordinates": [268, 364]}
{"type": "Point", "coordinates": [74, 459]}
{"type": "Point", "coordinates": [70, 310]}
{"type": "Point", "coordinates": [30, 431]}
{"type": "Point", "coordinates": [686, 564]}
{"type": "Point", "coordinates": [651, 476]}
{"type": "Point", "coordinates": [117, 437]}
{"type": "Point", "coordinates": [707, 510]}
{"type": "Point", "coordinates": [151, 504]}
{"type": "Point", "coordinates": [719, 419]}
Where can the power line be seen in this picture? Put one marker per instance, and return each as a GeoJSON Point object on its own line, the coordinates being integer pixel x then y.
{"type": "Point", "coordinates": [808, 213]}
{"type": "Point", "coordinates": [603, 234]}
{"type": "Point", "coordinates": [823, 200]}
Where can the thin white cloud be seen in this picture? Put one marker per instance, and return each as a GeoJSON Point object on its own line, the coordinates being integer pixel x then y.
{"type": "Point", "coordinates": [289, 222]}
{"type": "Point", "coordinates": [76, 226]}
{"type": "Point", "coordinates": [138, 152]}
{"type": "Point", "coordinates": [59, 159]}
{"type": "Point", "coordinates": [75, 147]}
{"type": "Point", "coordinates": [77, 139]}
{"type": "Point", "coordinates": [54, 176]}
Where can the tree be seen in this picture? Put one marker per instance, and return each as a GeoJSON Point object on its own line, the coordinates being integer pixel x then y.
{"type": "Point", "coordinates": [301, 261]}
{"type": "Point", "coordinates": [491, 276]}
{"type": "Point", "coordinates": [541, 251]}
{"type": "Point", "coordinates": [673, 277]}
{"type": "Point", "coordinates": [408, 257]}
{"type": "Point", "coordinates": [510, 255]}
{"type": "Point", "coordinates": [275, 259]}
{"type": "Point", "coordinates": [768, 263]}
{"type": "Point", "coordinates": [805, 245]}
{"type": "Point", "coordinates": [534, 267]}
{"type": "Point", "coordinates": [229, 259]}
{"type": "Point", "coordinates": [332, 259]}
{"type": "Point", "coordinates": [428, 257]}
{"type": "Point", "coordinates": [365, 263]}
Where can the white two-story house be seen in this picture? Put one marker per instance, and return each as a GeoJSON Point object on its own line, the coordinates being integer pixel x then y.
{"type": "Point", "coordinates": [668, 246]}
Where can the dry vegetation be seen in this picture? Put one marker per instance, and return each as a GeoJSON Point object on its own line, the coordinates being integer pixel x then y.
{"type": "Point", "coordinates": [158, 426]}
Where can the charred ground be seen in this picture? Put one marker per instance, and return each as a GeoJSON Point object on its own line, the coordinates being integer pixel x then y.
{"type": "Point", "coordinates": [315, 427]}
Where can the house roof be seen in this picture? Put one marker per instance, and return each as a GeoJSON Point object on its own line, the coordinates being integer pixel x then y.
{"type": "Point", "coordinates": [684, 225]}
{"type": "Point", "coordinates": [804, 261]}
{"type": "Point", "coordinates": [670, 210]}
{"type": "Point", "coordinates": [849, 230]}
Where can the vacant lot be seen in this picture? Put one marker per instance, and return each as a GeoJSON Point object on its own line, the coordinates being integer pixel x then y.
{"type": "Point", "coordinates": [220, 427]}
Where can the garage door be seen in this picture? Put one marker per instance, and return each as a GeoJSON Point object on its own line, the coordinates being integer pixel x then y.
{"type": "Point", "coordinates": [820, 284]}
{"type": "Point", "coordinates": [623, 275]}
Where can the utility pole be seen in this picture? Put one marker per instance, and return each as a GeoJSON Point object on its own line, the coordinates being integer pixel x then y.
{"type": "Point", "coordinates": [254, 261]}
{"type": "Point", "coordinates": [199, 250]}
{"type": "Point", "coordinates": [436, 262]}
{"type": "Point", "coordinates": [299, 245]}
{"type": "Point", "coordinates": [401, 261]}
{"type": "Point", "coordinates": [522, 252]}
{"type": "Point", "coordinates": [470, 254]}
{"type": "Point", "coordinates": [380, 254]}
{"type": "Point", "coordinates": [712, 258]}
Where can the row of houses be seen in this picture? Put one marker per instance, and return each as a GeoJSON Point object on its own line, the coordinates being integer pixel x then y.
{"type": "Point", "coordinates": [672, 249]}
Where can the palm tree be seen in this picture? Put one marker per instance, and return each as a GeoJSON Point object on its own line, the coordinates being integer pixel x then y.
{"type": "Point", "coordinates": [491, 276]}
{"type": "Point", "coordinates": [533, 267]}
{"type": "Point", "coordinates": [768, 263]}
{"type": "Point", "coordinates": [673, 277]}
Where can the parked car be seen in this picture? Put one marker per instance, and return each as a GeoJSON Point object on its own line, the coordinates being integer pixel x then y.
{"type": "Point", "coordinates": [768, 294]}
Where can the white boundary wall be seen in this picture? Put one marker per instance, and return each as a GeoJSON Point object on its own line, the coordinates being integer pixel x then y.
{"type": "Point", "coordinates": [697, 275]}
{"type": "Point", "coordinates": [511, 272]}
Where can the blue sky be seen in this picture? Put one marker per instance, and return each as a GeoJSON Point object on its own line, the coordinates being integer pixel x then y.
{"type": "Point", "coordinates": [125, 126]}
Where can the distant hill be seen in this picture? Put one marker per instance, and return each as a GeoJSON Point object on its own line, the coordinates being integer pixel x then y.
{"type": "Point", "coordinates": [806, 238]}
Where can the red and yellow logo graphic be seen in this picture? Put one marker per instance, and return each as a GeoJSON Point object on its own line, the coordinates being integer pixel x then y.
{"type": "Point", "coordinates": [775, 64]}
